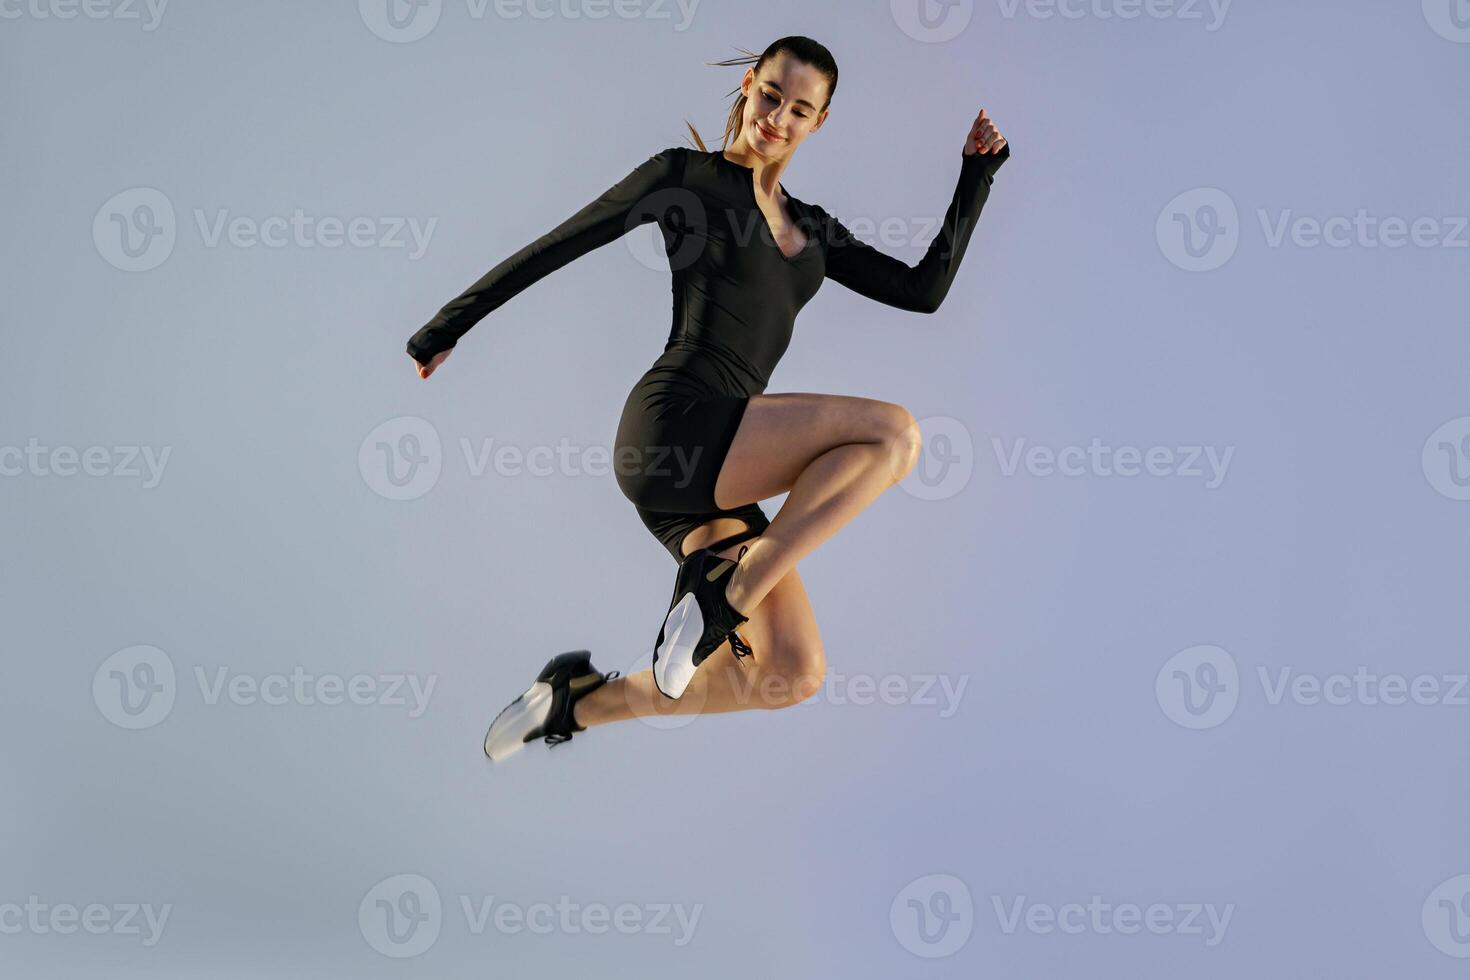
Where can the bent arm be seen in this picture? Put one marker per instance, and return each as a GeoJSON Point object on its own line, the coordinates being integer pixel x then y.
{"type": "Point", "coordinates": [616, 211]}
{"type": "Point", "coordinates": [919, 288]}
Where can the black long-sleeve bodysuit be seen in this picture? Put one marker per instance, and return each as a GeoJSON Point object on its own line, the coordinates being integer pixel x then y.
{"type": "Point", "coordinates": [735, 300]}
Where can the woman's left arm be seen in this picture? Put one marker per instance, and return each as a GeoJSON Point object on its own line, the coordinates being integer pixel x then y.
{"type": "Point", "coordinates": [921, 288]}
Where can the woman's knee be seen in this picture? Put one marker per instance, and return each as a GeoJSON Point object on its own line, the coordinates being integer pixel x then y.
{"type": "Point", "coordinates": [898, 432]}
{"type": "Point", "coordinates": [792, 674]}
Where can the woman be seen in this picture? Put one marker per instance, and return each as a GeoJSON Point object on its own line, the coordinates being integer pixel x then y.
{"type": "Point", "coordinates": [699, 442]}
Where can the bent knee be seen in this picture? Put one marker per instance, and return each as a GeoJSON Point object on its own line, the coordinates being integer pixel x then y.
{"type": "Point", "coordinates": [793, 674]}
{"type": "Point", "coordinates": [903, 442]}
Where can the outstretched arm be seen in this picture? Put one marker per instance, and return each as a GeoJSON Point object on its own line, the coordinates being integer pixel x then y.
{"type": "Point", "coordinates": [921, 288]}
{"type": "Point", "coordinates": [614, 213]}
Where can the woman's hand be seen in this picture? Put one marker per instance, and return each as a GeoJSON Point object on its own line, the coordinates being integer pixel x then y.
{"type": "Point", "coordinates": [984, 137]}
{"type": "Point", "coordinates": [437, 360]}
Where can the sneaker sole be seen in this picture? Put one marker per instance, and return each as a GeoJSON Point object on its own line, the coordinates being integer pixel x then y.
{"type": "Point", "coordinates": [673, 665]}
{"type": "Point", "coordinates": [507, 733]}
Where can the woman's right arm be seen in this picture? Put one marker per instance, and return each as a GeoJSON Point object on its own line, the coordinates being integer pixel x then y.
{"type": "Point", "coordinates": [615, 212]}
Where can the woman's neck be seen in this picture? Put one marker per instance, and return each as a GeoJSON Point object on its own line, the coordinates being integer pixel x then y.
{"type": "Point", "coordinates": [767, 173]}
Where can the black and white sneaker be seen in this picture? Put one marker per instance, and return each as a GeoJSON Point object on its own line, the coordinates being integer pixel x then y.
{"type": "Point", "coordinates": [545, 710]}
{"type": "Point", "coordinates": [699, 619]}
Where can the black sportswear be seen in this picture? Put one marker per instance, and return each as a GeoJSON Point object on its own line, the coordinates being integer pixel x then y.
{"type": "Point", "coordinates": [736, 295]}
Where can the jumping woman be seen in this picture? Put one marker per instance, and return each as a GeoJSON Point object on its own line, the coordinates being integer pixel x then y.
{"type": "Point", "coordinates": [745, 255]}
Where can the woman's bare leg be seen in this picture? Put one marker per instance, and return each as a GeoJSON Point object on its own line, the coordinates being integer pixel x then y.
{"type": "Point", "coordinates": [834, 454]}
{"type": "Point", "coordinates": [787, 668]}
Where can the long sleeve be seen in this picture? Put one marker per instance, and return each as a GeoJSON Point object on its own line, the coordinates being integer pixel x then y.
{"type": "Point", "coordinates": [615, 212]}
{"type": "Point", "coordinates": [920, 288]}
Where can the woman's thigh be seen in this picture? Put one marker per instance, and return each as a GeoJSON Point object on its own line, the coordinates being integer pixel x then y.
{"type": "Point", "coordinates": [779, 436]}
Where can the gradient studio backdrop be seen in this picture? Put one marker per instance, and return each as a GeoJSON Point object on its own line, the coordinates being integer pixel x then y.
{"type": "Point", "coordinates": [1202, 720]}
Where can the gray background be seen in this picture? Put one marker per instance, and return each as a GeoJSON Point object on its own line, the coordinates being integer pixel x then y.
{"type": "Point", "coordinates": [1334, 541]}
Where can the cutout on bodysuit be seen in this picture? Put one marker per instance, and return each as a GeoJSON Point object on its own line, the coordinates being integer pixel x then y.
{"type": "Point", "coordinates": [720, 544]}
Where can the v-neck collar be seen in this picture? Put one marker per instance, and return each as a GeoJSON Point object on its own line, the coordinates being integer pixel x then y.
{"type": "Point", "coordinates": [793, 200]}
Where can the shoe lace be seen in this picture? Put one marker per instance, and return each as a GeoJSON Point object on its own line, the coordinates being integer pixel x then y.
{"type": "Point", "coordinates": [738, 646]}
{"type": "Point", "coordinates": [556, 738]}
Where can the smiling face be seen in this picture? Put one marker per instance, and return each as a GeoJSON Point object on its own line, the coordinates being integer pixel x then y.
{"type": "Point", "coordinates": [783, 105]}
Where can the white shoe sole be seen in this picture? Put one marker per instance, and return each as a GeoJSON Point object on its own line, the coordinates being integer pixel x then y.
{"type": "Point", "coordinates": [507, 734]}
{"type": "Point", "coordinates": [673, 666]}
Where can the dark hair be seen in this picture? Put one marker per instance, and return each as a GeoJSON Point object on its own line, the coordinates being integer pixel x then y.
{"type": "Point", "coordinates": [802, 49]}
